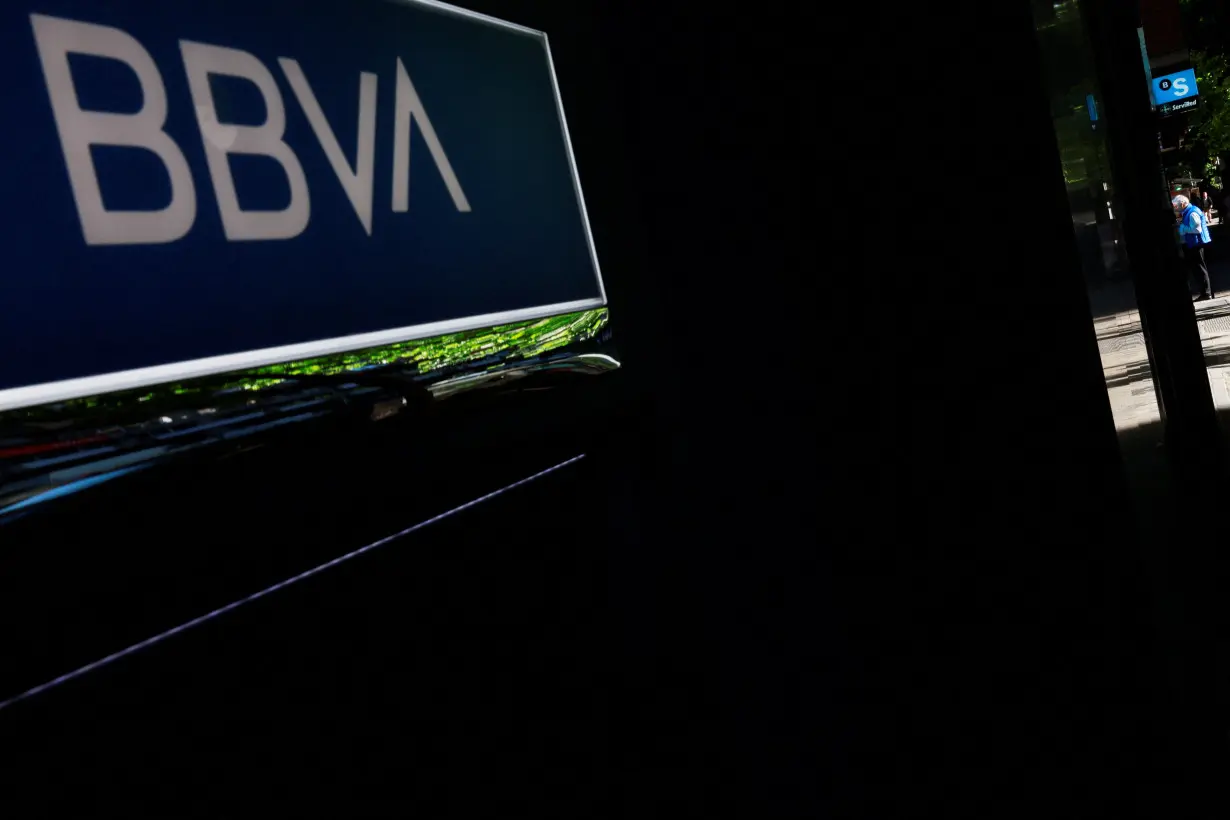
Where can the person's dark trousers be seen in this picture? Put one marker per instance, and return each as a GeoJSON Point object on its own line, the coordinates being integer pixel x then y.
{"type": "Point", "coordinates": [1199, 270]}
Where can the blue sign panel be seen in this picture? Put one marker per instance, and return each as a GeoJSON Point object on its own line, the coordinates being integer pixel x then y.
{"type": "Point", "coordinates": [1175, 87]}
{"type": "Point", "coordinates": [193, 188]}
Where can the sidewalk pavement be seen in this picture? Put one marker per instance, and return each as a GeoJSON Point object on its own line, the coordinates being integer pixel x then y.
{"type": "Point", "coordinates": [1125, 361]}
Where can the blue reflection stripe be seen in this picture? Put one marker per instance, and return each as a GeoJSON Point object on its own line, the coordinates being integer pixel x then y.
{"type": "Point", "coordinates": [69, 489]}
{"type": "Point", "coordinates": [73, 473]}
{"type": "Point", "coordinates": [50, 462]}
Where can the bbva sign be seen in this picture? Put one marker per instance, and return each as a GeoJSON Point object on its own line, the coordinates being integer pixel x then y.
{"type": "Point", "coordinates": [80, 129]}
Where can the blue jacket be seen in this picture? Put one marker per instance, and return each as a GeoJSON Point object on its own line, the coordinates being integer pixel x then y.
{"type": "Point", "coordinates": [1194, 228]}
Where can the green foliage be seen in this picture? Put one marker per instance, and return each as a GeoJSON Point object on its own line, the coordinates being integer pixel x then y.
{"type": "Point", "coordinates": [1211, 121]}
{"type": "Point", "coordinates": [522, 339]}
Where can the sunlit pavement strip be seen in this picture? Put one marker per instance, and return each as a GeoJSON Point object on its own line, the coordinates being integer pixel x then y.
{"type": "Point", "coordinates": [1125, 362]}
{"type": "Point", "coordinates": [148, 642]}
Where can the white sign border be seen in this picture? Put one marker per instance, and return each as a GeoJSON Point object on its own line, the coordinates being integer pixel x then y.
{"type": "Point", "coordinates": [50, 392]}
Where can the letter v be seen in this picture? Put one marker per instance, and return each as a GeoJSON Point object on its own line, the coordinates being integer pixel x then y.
{"type": "Point", "coordinates": [356, 182]}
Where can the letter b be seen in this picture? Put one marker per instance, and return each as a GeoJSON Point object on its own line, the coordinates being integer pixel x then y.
{"type": "Point", "coordinates": [79, 130]}
{"type": "Point", "coordinates": [201, 60]}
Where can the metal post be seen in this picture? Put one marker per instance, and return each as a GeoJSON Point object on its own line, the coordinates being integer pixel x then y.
{"type": "Point", "coordinates": [1198, 711]}
{"type": "Point", "coordinates": [1190, 421]}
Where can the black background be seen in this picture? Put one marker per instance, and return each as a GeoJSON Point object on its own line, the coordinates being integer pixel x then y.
{"type": "Point", "coordinates": [854, 523]}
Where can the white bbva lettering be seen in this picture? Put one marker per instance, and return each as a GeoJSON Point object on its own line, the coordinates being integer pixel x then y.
{"type": "Point", "coordinates": [80, 129]}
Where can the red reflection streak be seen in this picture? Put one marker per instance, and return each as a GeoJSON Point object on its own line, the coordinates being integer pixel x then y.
{"type": "Point", "coordinates": [34, 449]}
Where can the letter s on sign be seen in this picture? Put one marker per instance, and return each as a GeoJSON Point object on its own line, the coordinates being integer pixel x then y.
{"type": "Point", "coordinates": [1180, 87]}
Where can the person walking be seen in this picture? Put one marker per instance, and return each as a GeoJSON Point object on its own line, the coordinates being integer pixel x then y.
{"type": "Point", "coordinates": [1194, 233]}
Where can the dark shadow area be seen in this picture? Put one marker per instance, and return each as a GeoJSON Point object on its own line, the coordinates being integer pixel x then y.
{"type": "Point", "coordinates": [546, 666]}
{"type": "Point", "coordinates": [601, 641]}
{"type": "Point", "coordinates": [1219, 268]}
{"type": "Point", "coordinates": [1119, 296]}
{"type": "Point", "coordinates": [464, 671]}
{"type": "Point", "coordinates": [1184, 563]}
{"type": "Point", "coordinates": [795, 565]}
{"type": "Point", "coordinates": [1110, 298]}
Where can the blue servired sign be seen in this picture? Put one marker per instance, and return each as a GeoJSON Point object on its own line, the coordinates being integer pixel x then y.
{"type": "Point", "coordinates": [194, 188]}
{"type": "Point", "coordinates": [1177, 87]}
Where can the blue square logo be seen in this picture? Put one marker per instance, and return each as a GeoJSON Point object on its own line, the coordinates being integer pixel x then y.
{"type": "Point", "coordinates": [1175, 87]}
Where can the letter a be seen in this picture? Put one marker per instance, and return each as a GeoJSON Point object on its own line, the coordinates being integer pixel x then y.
{"type": "Point", "coordinates": [410, 107]}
